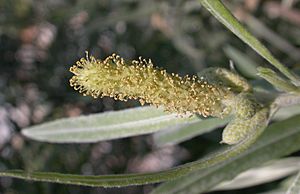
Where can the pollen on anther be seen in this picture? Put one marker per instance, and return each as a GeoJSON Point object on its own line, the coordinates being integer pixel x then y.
{"type": "Point", "coordinates": [139, 79]}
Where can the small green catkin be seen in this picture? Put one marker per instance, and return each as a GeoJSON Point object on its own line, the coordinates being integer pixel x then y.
{"type": "Point", "coordinates": [139, 79]}
{"type": "Point", "coordinates": [240, 128]}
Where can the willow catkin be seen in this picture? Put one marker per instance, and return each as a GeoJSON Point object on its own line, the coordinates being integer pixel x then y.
{"type": "Point", "coordinates": [139, 79]}
{"type": "Point", "coordinates": [218, 92]}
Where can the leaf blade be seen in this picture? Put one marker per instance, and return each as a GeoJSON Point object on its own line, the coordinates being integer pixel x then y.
{"type": "Point", "coordinates": [278, 82]}
{"type": "Point", "coordinates": [269, 172]}
{"type": "Point", "coordinates": [104, 126]}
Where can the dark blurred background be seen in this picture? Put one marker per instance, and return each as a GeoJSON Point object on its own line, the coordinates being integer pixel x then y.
{"type": "Point", "coordinates": [41, 39]}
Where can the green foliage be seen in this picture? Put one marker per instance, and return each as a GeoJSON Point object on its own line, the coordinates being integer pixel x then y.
{"type": "Point", "coordinates": [219, 163]}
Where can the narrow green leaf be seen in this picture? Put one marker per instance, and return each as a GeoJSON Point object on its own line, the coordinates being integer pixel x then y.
{"type": "Point", "coordinates": [295, 186]}
{"type": "Point", "coordinates": [280, 139]}
{"type": "Point", "coordinates": [138, 179]}
{"type": "Point", "coordinates": [243, 63]}
{"type": "Point", "coordinates": [286, 112]}
{"type": "Point", "coordinates": [220, 12]}
{"type": "Point", "coordinates": [278, 82]}
{"type": "Point", "coordinates": [185, 132]}
{"type": "Point", "coordinates": [268, 172]}
{"type": "Point", "coordinates": [105, 126]}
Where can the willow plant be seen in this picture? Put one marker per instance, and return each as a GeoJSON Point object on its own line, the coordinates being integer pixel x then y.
{"type": "Point", "coordinates": [215, 93]}
{"type": "Point", "coordinates": [218, 92]}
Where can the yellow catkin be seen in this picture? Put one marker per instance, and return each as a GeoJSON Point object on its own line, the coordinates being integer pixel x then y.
{"type": "Point", "coordinates": [139, 79]}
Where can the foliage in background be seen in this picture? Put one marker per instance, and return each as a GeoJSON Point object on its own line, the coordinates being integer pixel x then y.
{"type": "Point", "coordinates": [41, 39]}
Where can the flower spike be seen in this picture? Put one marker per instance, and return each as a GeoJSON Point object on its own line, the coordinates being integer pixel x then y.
{"type": "Point", "coordinates": [139, 79]}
